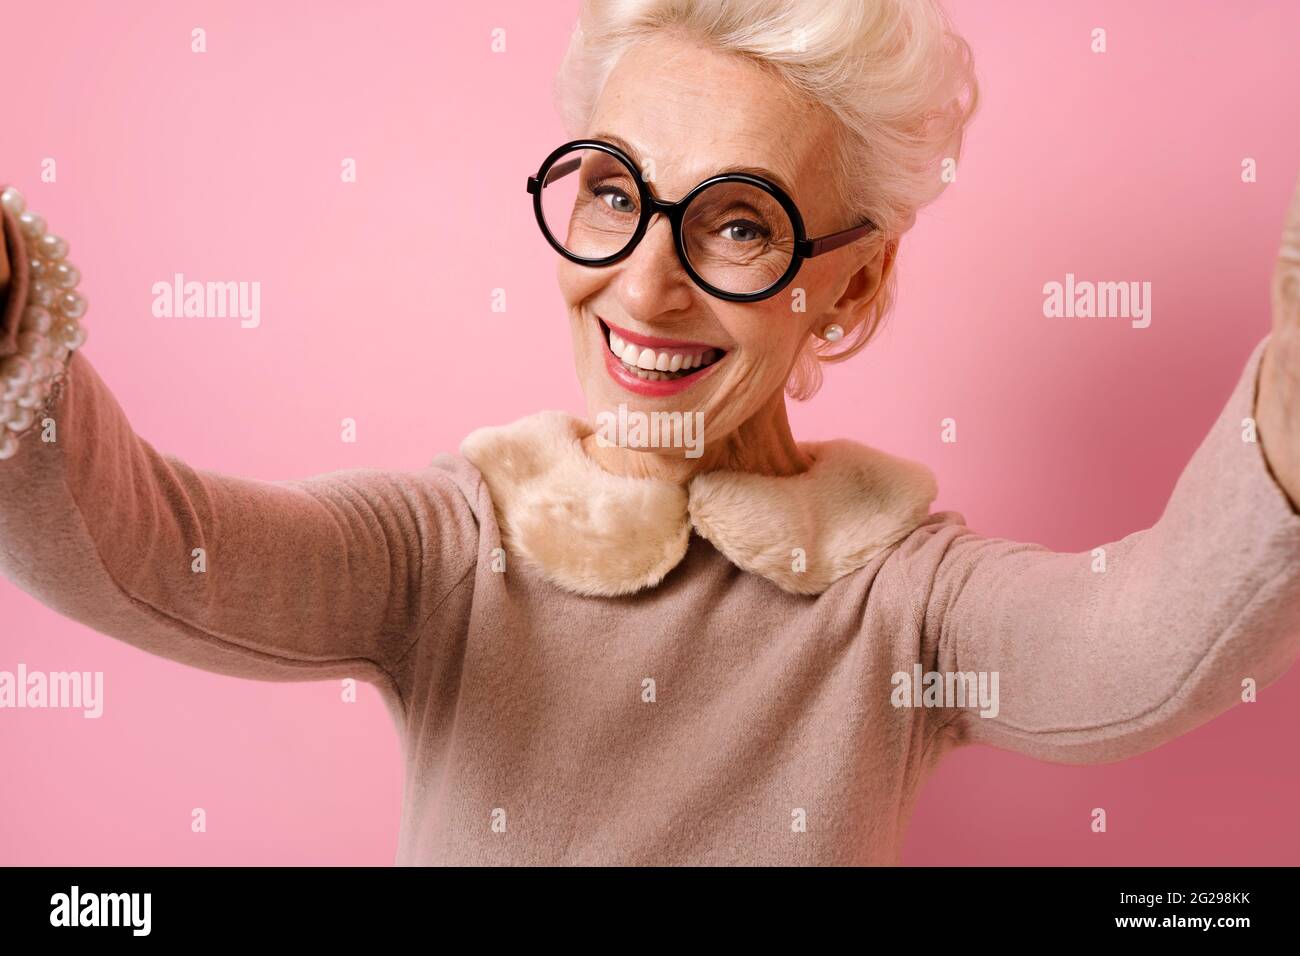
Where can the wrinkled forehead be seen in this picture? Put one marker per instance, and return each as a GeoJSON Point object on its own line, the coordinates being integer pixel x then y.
{"type": "Point", "coordinates": [686, 113]}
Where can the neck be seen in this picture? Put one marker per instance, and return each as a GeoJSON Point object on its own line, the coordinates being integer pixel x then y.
{"type": "Point", "coordinates": [762, 445]}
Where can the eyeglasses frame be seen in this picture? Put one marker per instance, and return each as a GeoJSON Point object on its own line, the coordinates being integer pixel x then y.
{"type": "Point", "coordinates": [804, 247]}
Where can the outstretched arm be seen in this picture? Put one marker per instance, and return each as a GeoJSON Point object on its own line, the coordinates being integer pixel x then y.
{"type": "Point", "coordinates": [1104, 654]}
{"type": "Point", "coordinates": [1279, 380]}
{"type": "Point", "coordinates": [329, 576]}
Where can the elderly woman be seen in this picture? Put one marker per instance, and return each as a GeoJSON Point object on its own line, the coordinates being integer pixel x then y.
{"type": "Point", "coordinates": [602, 648]}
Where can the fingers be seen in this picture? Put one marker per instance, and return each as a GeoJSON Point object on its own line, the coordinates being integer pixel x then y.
{"type": "Point", "coordinates": [1286, 276]}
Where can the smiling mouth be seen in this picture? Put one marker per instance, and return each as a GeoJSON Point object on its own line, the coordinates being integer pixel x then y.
{"type": "Point", "coordinates": [660, 363]}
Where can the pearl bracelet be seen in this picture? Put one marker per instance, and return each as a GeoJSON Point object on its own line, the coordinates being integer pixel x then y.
{"type": "Point", "coordinates": [49, 329]}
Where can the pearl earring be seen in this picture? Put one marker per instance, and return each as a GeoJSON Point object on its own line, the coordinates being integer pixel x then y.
{"type": "Point", "coordinates": [833, 333]}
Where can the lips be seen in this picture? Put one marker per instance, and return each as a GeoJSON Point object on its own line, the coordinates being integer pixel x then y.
{"type": "Point", "coordinates": [654, 359]}
{"type": "Point", "coordinates": [655, 367]}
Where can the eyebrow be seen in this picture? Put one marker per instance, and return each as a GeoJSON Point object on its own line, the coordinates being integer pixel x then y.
{"type": "Point", "coordinates": [760, 171]}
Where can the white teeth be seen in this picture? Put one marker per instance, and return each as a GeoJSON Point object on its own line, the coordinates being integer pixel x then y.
{"type": "Point", "coordinates": [655, 366]}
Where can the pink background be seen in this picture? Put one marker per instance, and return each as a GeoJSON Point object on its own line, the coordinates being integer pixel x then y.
{"type": "Point", "coordinates": [226, 166]}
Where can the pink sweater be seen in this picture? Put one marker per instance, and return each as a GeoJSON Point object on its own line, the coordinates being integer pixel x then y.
{"type": "Point", "coordinates": [725, 682]}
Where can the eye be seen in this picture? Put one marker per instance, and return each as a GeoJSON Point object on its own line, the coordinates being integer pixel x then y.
{"type": "Point", "coordinates": [616, 199]}
{"type": "Point", "coordinates": [742, 230]}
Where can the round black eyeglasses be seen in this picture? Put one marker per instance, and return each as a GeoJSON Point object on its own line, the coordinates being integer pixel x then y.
{"type": "Point", "coordinates": [739, 237]}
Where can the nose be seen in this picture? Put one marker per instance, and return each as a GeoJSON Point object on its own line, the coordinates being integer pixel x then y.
{"type": "Point", "coordinates": [651, 285]}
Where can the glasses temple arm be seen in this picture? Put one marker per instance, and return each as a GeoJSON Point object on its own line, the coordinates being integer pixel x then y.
{"type": "Point", "coordinates": [836, 239]}
{"type": "Point", "coordinates": [561, 169]}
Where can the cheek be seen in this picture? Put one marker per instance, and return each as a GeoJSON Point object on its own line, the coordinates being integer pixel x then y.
{"type": "Point", "coordinates": [815, 284]}
{"type": "Point", "coordinates": [577, 283]}
{"type": "Point", "coordinates": [770, 333]}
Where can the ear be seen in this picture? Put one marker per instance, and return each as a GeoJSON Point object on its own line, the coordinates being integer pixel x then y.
{"type": "Point", "coordinates": [862, 286]}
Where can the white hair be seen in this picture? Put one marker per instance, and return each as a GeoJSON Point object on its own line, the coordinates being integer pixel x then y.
{"type": "Point", "coordinates": [893, 73]}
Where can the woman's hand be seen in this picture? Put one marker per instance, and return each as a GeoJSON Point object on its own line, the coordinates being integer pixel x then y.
{"type": "Point", "coordinates": [1277, 408]}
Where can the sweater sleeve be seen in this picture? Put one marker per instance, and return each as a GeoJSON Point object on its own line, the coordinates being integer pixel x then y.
{"type": "Point", "coordinates": [1106, 653]}
{"type": "Point", "coordinates": [324, 577]}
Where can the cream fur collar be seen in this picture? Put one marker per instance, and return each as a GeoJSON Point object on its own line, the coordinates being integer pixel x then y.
{"type": "Point", "coordinates": [595, 533]}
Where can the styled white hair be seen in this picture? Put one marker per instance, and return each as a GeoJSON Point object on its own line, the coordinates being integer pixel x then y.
{"type": "Point", "coordinates": [893, 73]}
